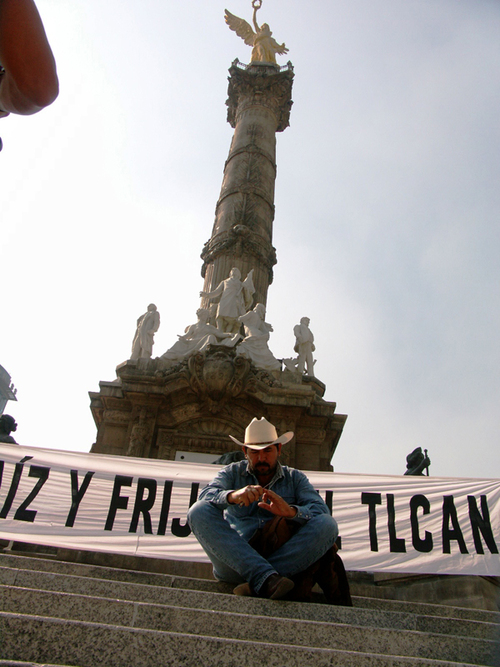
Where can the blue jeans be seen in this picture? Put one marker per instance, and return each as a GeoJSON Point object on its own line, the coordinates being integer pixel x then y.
{"type": "Point", "coordinates": [235, 561]}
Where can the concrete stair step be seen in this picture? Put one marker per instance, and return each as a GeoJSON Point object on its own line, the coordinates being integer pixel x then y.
{"type": "Point", "coordinates": [163, 595]}
{"type": "Point", "coordinates": [340, 636]}
{"type": "Point", "coordinates": [85, 644]}
{"type": "Point", "coordinates": [103, 600]}
{"type": "Point", "coordinates": [21, 663]}
{"type": "Point", "coordinates": [428, 609]}
{"type": "Point", "coordinates": [472, 592]}
{"type": "Point", "coordinates": [190, 583]}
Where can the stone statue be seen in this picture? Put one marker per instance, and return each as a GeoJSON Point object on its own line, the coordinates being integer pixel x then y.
{"type": "Point", "coordinates": [7, 426]}
{"type": "Point", "coordinates": [147, 325]}
{"type": "Point", "coordinates": [235, 300]}
{"type": "Point", "coordinates": [197, 337]}
{"type": "Point", "coordinates": [417, 462]}
{"type": "Point", "coordinates": [255, 344]}
{"type": "Point", "coordinates": [304, 346]}
{"type": "Point", "coordinates": [265, 47]}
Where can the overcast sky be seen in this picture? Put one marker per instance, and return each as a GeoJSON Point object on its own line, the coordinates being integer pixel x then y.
{"type": "Point", "coordinates": [386, 228]}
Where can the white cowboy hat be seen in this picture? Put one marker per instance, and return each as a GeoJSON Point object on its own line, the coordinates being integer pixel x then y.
{"type": "Point", "coordinates": [260, 434]}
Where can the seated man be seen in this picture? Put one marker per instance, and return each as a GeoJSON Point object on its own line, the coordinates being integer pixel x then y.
{"type": "Point", "coordinates": [242, 498]}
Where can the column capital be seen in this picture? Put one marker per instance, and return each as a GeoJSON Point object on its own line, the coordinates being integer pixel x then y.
{"type": "Point", "coordinates": [262, 85]}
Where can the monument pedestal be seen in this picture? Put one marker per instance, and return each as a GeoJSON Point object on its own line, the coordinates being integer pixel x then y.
{"type": "Point", "coordinates": [155, 411]}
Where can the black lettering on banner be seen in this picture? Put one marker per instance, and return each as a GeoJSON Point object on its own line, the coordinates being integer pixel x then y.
{"type": "Point", "coordinates": [329, 504]}
{"type": "Point", "coordinates": [183, 530]}
{"type": "Point", "coordinates": [14, 485]}
{"type": "Point", "coordinates": [329, 500]}
{"type": "Point", "coordinates": [422, 545]}
{"type": "Point", "coordinates": [117, 501]}
{"type": "Point", "coordinates": [396, 544]}
{"type": "Point", "coordinates": [143, 505]}
{"type": "Point", "coordinates": [77, 495]}
{"type": "Point", "coordinates": [1, 472]}
{"type": "Point", "coordinates": [372, 499]}
{"type": "Point", "coordinates": [481, 524]}
{"type": "Point", "coordinates": [165, 507]}
{"type": "Point", "coordinates": [450, 512]}
{"type": "Point", "coordinates": [24, 514]}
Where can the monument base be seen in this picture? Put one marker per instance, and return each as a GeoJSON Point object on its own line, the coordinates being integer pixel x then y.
{"type": "Point", "coordinates": [180, 412]}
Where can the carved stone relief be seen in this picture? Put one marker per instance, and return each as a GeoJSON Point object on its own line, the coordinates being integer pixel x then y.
{"type": "Point", "coordinates": [311, 435]}
{"type": "Point", "coordinates": [141, 433]}
{"type": "Point", "coordinates": [217, 377]}
{"type": "Point", "coordinates": [239, 241]}
{"type": "Point", "coordinates": [116, 416]}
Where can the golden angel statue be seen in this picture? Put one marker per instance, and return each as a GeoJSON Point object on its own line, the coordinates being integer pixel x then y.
{"type": "Point", "coordinates": [265, 47]}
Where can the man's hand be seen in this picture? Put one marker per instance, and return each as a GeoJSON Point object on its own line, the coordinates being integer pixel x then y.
{"type": "Point", "coordinates": [275, 504]}
{"type": "Point", "coordinates": [245, 496]}
{"type": "Point", "coordinates": [269, 500]}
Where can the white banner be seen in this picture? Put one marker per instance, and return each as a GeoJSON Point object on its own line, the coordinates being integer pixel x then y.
{"type": "Point", "coordinates": [433, 525]}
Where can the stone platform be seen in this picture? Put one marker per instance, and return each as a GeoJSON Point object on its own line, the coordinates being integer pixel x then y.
{"type": "Point", "coordinates": [156, 410]}
{"type": "Point", "coordinates": [61, 613]}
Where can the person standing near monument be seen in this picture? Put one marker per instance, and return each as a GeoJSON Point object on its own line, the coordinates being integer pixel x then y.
{"type": "Point", "coordinates": [304, 346]}
{"type": "Point", "coordinates": [242, 499]}
{"type": "Point", "coordinates": [147, 325]}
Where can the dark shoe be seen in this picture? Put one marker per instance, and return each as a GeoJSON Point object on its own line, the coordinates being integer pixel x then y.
{"type": "Point", "coordinates": [276, 587]}
{"type": "Point", "coordinates": [244, 589]}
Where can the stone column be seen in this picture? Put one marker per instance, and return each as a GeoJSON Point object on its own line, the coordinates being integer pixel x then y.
{"type": "Point", "coordinates": [258, 106]}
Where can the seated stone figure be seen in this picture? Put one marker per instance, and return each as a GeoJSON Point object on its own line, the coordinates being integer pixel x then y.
{"type": "Point", "coordinates": [248, 494]}
{"type": "Point", "coordinates": [198, 337]}
{"type": "Point", "coordinates": [417, 462]}
{"type": "Point", "coordinates": [255, 344]}
{"type": "Point", "coordinates": [7, 426]}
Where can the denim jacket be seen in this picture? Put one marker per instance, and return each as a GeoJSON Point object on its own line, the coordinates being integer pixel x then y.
{"type": "Point", "coordinates": [291, 484]}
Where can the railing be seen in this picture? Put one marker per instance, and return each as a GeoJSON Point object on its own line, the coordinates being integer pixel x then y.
{"type": "Point", "coordinates": [283, 68]}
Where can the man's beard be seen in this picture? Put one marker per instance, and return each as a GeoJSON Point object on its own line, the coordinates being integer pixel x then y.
{"type": "Point", "coordinates": [261, 469]}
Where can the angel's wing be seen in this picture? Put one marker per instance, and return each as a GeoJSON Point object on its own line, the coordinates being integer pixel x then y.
{"type": "Point", "coordinates": [240, 27]}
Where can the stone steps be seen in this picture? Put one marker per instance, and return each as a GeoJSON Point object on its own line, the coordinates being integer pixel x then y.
{"type": "Point", "coordinates": [191, 583]}
{"type": "Point", "coordinates": [53, 587]}
{"type": "Point", "coordinates": [86, 615]}
{"type": "Point", "coordinates": [90, 644]}
{"type": "Point", "coordinates": [243, 626]}
{"type": "Point", "coordinates": [21, 663]}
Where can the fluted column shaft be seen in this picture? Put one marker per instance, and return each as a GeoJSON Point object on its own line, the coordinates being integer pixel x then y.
{"type": "Point", "coordinates": [258, 107]}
